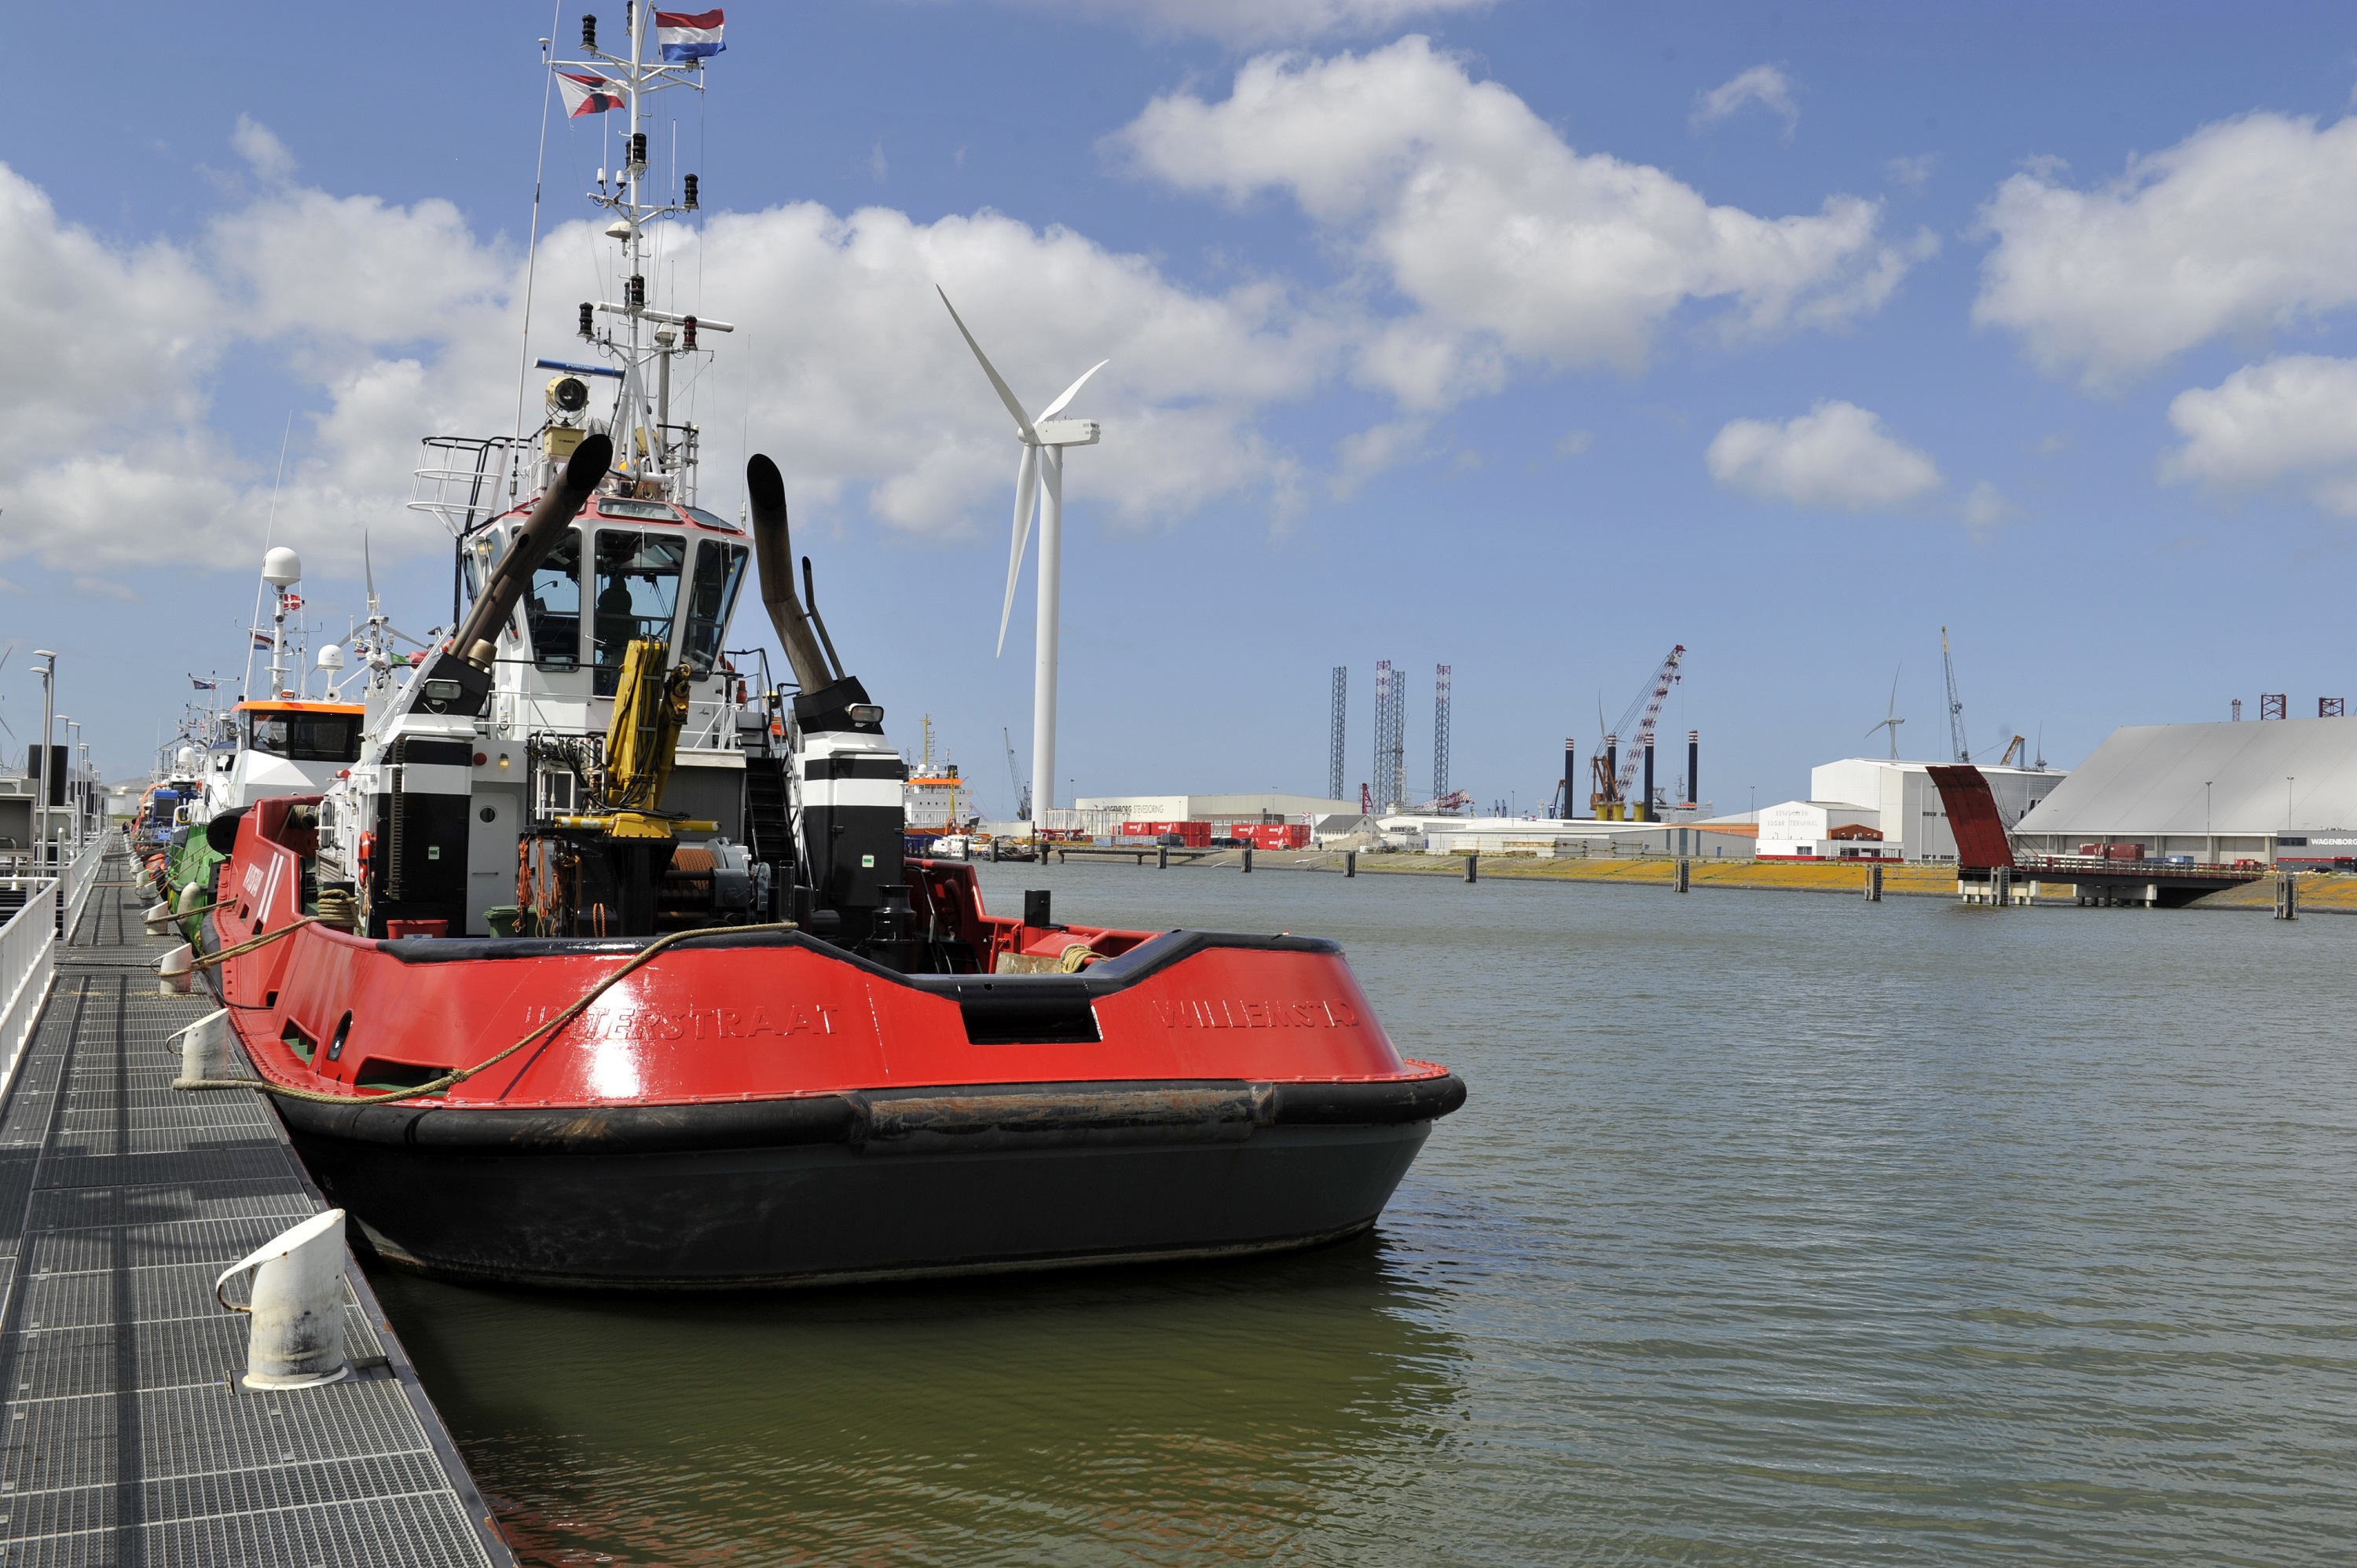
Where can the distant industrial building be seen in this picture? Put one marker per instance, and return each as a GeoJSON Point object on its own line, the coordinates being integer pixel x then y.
{"type": "Point", "coordinates": [2283, 790]}
{"type": "Point", "coordinates": [1824, 830]}
{"type": "Point", "coordinates": [1556, 838]}
{"type": "Point", "coordinates": [1268, 806]}
{"type": "Point", "coordinates": [1865, 808]}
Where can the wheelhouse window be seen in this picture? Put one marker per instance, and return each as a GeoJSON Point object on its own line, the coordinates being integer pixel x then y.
{"type": "Point", "coordinates": [304, 737]}
{"type": "Point", "coordinates": [638, 594]}
{"type": "Point", "coordinates": [719, 571]}
{"type": "Point", "coordinates": [711, 519]}
{"type": "Point", "coordinates": [552, 607]}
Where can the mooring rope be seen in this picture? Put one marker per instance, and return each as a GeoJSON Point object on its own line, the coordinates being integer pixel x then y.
{"type": "Point", "coordinates": [456, 1075]}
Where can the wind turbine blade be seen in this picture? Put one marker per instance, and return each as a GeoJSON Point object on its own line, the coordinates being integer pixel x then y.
{"type": "Point", "coordinates": [1894, 687]}
{"type": "Point", "coordinates": [1005, 394]}
{"type": "Point", "coordinates": [367, 566]}
{"type": "Point", "coordinates": [1057, 407]}
{"type": "Point", "coordinates": [1027, 493]}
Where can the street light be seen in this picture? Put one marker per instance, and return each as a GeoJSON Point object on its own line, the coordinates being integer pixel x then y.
{"type": "Point", "coordinates": [73, 785]}
{"type": "Point", "coordinates": [41, 797]}
{"type": "Point", "coordinates": [2209, 833]}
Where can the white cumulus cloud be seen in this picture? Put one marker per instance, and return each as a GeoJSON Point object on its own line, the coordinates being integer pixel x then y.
{"type": "Point", "coordinates": [399, 322]}
{"type": "Point", "coordinates": [1765, 85]}
{"type": "Point", "coordinates": [2287, 420]}
{"type": "Point", "coordinates": [2242, 227]}
{"type": "Point", "coordinates": [1507, 243]}
{"type": "Point", "coordinates": [1251, 24]}
{"type": "Point", "coordinates": [1835, 457]}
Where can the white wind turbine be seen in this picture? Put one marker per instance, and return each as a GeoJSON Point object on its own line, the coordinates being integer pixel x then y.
{"type": "Point", "coordinates": [1039, 474]}
{"type": "Point", "coordinates": [1894, 721]}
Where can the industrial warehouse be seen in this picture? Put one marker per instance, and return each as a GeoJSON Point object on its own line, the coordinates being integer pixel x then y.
{"type": "Point", "coordinates": [2280, 792]}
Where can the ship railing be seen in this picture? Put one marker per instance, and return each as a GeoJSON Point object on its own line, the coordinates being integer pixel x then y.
{"type": "Point", "coordinates": [464, 481]}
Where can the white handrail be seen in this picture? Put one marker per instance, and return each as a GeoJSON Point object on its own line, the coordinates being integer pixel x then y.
{"type": "Point", "coordinates": [78, 879]}
{"type": "Point", "coordinates": [28, 944]}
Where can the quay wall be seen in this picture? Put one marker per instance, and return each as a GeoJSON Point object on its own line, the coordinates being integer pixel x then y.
{"type": "Point", "coordinates": [2319, 893]}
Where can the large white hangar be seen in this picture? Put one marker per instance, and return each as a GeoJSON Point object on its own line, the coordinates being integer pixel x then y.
{"type": "Point", "coordinates": [2282, 790]}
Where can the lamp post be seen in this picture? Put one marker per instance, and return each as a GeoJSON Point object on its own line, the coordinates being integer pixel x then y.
{"type": "Point", "coordinates": [2209, 833]}
{"type": "Point", "coordinates": [73, 784]}
{"type": "Point", "coordinates": [48, 759]}
{"type": "Point", "coordinates": [41, 796]}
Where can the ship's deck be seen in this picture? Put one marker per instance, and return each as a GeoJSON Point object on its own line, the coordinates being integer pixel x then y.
{"type": "Point", "coordinates": [128, 1439]}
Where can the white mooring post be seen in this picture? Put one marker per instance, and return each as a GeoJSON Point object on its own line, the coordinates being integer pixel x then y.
{"type": "Point", "coordinates": [202, 1042]}
{"type": "Point", "coordinates": [1686, 868]}
{"type": "Point", "coordinates": [297, 1305]}
{"type": "Point", "coordinates": [174, 969]}
{"type": "Point", "coordinates": [1874, 884]}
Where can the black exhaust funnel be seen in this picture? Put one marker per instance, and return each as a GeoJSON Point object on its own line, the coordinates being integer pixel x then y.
{"type": "Point", "coordinates": [773, 555]}
{"type": "Point", "coordinates": [512, 573]}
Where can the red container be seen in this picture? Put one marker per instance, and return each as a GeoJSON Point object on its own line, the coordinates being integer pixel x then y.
{"type": "Point", "coordinates": [2124, 852]}
{"type": "Point", "coordinates": [396, 930]}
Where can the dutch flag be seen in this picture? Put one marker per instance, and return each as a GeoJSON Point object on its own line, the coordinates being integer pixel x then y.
{"type": "Point", "coordinates": [688, 34]}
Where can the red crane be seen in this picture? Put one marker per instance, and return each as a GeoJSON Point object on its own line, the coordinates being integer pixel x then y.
{"type": "Point", "coordinates": [1649, 701]}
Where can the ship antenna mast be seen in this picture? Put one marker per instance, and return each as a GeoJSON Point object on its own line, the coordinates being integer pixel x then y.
{"type": "Point", "coordinates": [653, 456]}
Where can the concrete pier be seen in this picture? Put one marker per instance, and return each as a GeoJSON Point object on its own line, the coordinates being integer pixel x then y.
{"type": "Point", "coordinates": [128, 1439]}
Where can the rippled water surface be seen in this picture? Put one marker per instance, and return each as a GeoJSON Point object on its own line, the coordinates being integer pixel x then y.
{"type": "Point", "coordinates": [1778, 1227]}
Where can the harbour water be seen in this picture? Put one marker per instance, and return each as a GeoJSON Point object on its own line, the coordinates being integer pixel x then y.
{"type": "Point", "coordinates": [1778, 1227]}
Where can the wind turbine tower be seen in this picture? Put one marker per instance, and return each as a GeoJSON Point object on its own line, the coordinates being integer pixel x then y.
{"type": "Point", "coordinates": [1039, 474]}
{"type": "Point", "coordinates": [1891, 721]}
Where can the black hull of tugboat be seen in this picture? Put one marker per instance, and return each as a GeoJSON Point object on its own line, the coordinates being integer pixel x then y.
{"type": "Point", "coordinates": [838, 1190]}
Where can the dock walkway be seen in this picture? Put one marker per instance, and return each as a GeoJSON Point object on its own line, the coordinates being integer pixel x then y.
{"type": "Point", "coordinates": [128, 1439]}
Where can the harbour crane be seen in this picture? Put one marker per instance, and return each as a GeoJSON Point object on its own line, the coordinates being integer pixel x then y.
{"type": "Point", "coordinates": [1022, 795]}
{"type": "Point", "coordinates": [1615, 773]}
{"type": "Point", "coordinates": [1955, 704]}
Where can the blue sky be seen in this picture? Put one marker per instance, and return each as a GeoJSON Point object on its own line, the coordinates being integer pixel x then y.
{"type": "Point", "coordinates": [1532, 347]}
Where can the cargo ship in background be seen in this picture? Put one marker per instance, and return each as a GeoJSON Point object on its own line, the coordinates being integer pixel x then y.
{"type": "Point", "coordinates": [603, 964]}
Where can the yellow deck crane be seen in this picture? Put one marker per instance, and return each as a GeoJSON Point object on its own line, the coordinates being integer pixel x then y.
{"type": "Point", "coordinates": [598, 871]}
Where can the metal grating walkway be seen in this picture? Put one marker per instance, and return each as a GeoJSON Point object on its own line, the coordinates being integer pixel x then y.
{"type": "Point", "coordinates": [128, 1440]}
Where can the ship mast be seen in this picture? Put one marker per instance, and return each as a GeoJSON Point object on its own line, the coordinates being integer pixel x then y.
{"type": "Point", "coordinates": [653, 456]}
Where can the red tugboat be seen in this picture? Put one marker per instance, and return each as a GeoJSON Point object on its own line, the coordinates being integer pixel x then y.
{"type": "Point", "coordinates": [726, 1034]}
{"type": "Point", "coordinates": [761, 1107]}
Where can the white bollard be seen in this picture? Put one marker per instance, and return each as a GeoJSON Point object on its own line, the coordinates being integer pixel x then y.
{"type": "Point", "coordinates": [297, 1337]}
{"type": "Point", "coordinates": [174, 969]}
{"type": "Point", "coordinates": [200, 1041]}
{"type": "Point", "coordinates": [159, 918]}
{"type": "Point", "coordinates": [191, 899]}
